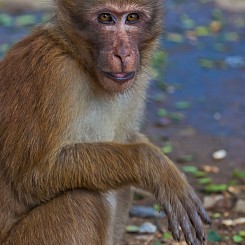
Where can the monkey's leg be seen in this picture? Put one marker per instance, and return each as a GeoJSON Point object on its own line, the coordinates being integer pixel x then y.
{"type": "Point", "coordinates": [75, 218]}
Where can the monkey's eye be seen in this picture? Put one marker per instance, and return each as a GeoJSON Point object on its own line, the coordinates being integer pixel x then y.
{"type": "Point", "coordinates": [132, 18]}
{"type": "Point", "coordinates": [106, 18]}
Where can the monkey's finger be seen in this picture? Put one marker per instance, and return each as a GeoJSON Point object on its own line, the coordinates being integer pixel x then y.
{"type": "Point", "coordinates": [200, 209]}
{"type": "Point", "coordinates": [204, 216]}
{"type": "Point", "coordinates": [202, 212]}
{"type": "Point", "coordinates": [172, 222]}
{"type": "Point", "coordinates": [197, 224]}
{"type": "Point", "coordinates": [186, 228]}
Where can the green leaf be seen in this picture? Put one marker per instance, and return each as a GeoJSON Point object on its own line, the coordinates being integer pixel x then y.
{"type": "Point", "coordinates": [200, 174]}
{"type": "Point", "coordinates": [25, 20]}
{"type": "Point", "coordinates": [176, 117]}
{"type": "Point", "coordinates": [45, 18]}
{"type": "Point", "coordinates": [159, 59]}
{"type": "Point", "coordinates": [167, 149]}
{"type": "Point", "coordinates": [202, 31]}
{"type": "Point", "coordinates": [167, 235]}
{"type": "Point", "coordinates": [187, 22]}
{"type": "Point", "coordinates": [132, 229]}
{"type": "Point", "coordinates": [216, 215]}
{"type": "Point", "coordinates": [162, 85]}
{"type": "Point", "coordinates": [157, 243]}
{"type": "Point", "coordinates": [217, 14]}
{"type": "Point", "coordinates": [238, 174]}
{"type": "Point", "coordinates": [175, 37]}
{"type": "Point", "coordinates": [231, 36]}
{"type": "Point", "coordinates": [233, 183]}
{"type": "Point", "coordinates": [185, 158]}
{"type": "Point", "coordinates": [4, 47]}
{"type": "Point", "coordinates": [206, 63]}
{"type": "Point", "coordinates": [162, 113]}
{"type": "Point", "coordinates": [182, 105]}
{"type": "Point", "coordinates": [159, 97]}
{"type": "Point", "coordinates": [242, 233]}
{"type": "Point", "coordinates": [214, 188]}
{"type": "Point", "coordinates": [157, 207]}
{"type": "Point", "coordinates": [213, 236]}
{"type": "Point", "coordinates": [205, 181]}
{"type": "Point", "coordinates": [190, 169]}
{"type": "Point", "coordinates": [237, 239]}
{"type": "Point", "coordinates": [5, 20]}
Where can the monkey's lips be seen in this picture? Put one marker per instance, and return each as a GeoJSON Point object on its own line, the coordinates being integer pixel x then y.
{"type": "Point", "coordinates": [120, 77]}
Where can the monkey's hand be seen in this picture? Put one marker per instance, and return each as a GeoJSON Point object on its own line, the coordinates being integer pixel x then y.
{"type": "Point", "coordinates": [179, 201]}
{"type": "Point", "coordinates": [187, 212]}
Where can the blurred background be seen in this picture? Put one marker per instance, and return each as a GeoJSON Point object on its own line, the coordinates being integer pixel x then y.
{"type": "Point", "coordinates": [195, 111]}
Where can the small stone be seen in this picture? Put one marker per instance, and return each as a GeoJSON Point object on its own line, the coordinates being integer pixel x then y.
{"type": "Point", "coordinates": [228, 222]}
{"type": "Point", "coordinates": [235, 61]}
{"type": "Point", "coordinates": [145, 212]}
{"type": "Point", "coordinates": [163, 122]}
{"type": "Point", "coordinates": [210, 202]}
{"type": "Point", "coordinates": [236, 189]}
{"type": "Point", "coordinates": [210, 169]}
{"type": "Point", "coordinates": [240, 206]}
{"type": "Point", "coordinates": [148, 228]}
{"type": "Point", "coordinates": [217, 116]}
{"type": "Point", "coordinates": [239, 221]}
{"type": "Point", "coordinates": [219, 155]}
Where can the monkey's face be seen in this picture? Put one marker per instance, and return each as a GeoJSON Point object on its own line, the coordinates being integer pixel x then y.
{"type": "Point", "coordinates": [116, 42]}
{"type": "Point", "coordinates": [117, 37]}
{"type": "Point", "coordinates": [117, 47]}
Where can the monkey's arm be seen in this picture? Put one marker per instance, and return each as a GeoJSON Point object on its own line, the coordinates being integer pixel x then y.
{"type": "Point", "coordinates": [106, 166]}
{"type": "Point", "coordinates": [182, 206]}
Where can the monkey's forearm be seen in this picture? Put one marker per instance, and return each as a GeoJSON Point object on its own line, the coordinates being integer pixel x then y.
{"type": "Point", "coordinates": [101, 167]}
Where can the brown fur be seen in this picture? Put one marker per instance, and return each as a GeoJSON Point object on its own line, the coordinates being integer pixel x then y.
{"type": "Point", "coordinates": [69, 141]}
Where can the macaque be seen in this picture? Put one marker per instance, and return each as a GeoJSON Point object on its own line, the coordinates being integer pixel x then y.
{"type": "Point", "coordinates": [72, 95]}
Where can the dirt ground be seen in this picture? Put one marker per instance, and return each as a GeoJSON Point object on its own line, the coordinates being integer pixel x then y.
{"type": "Point", "coordinates": [196, 107]}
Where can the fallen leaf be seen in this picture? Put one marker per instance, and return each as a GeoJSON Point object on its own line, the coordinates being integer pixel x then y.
{"type": "Point", "coordinates": [202, 31]}
{"type": "Point", "coordinates": [216, 188]}
{"type": "Point", "coordinates": [175, 37]}
{"type": "Point", "coordinates": [5, 20]}
{"type": "Point", "coordinates": [132, 229]}
{"type": "Point", "coordinates": [237, 239]}
{"type": "Point", "coordinates": [25, 20]}
{"type": "Point", "coordinates": [210, 169]}
{"type": "Point", "coordinates": [185, 159]}
{"type": "Point", "coordinates": [190, 169]}
{"type": "Point", "coordinates": [213, 236]}
{"type": "Point", "coordinates": [182, 105]}
{"type": "Point", "coordinates": [167, 235]}
{"type": "Point", "coordinates": [205, 181]}
{"type": "Point", "coordinates": [167, 149]}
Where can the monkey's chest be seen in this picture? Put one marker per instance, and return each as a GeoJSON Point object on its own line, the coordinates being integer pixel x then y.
{"type": "Point", "coordinates": [97, 124]}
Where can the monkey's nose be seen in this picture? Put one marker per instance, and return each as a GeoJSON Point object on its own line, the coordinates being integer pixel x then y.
{"type": "Point", "coordinates": [122, 58]}
{"type": "Point", "coordinates": [123, 55]}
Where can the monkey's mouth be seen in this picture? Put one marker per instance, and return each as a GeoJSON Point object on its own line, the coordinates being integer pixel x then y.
{"type": "Point", "coordinates": [120, 77]}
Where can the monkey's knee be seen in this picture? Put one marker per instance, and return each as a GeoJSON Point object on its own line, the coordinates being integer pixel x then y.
{"type": "Point", "coordinates": [75, 218]}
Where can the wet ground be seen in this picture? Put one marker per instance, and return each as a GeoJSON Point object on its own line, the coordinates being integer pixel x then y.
{"type": "Point", "coordinates": [196, 104]}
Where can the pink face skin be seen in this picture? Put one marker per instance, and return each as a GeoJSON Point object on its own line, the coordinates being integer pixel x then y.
{"type": "Point", "coordinates": [118, 35]}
